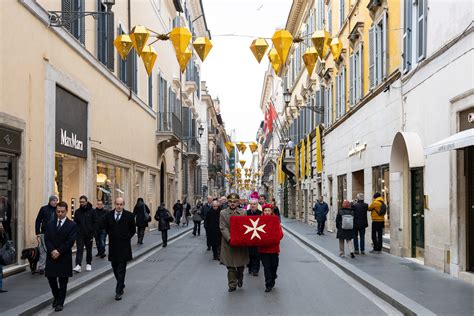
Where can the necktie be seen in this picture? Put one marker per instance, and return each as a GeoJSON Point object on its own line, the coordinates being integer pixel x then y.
{"type": "Point", "coordinates": [117, 217]}
{"type": "Point", "coordinates": [59, 224]}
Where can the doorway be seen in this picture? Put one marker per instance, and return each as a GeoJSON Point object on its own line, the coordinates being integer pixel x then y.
{"type": "Point", "coordinates": [8, 187]}
{"type": "Point", "coordinates": [357, 183]}
{"type": "Point", "coordinates": [417, 214]}
{"type": "Point", "coordinates": [469, 161]}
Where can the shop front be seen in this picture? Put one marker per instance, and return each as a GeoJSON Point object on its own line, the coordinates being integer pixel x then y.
{"type": "Point", "coordinates": [70, 148]}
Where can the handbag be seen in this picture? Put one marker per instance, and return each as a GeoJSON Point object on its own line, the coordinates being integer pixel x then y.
{"type": "Point", "coordinates": [170, 217]}
{"type": "Point", "coordinates": [7, 253]}
{"type": "Point", "coordinates": [146, 215]}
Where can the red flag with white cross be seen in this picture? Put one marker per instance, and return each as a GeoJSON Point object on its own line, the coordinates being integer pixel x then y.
{"type": "Point", "coordinates": [255, 231]}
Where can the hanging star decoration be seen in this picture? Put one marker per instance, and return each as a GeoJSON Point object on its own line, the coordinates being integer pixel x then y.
{"type": "Point", "coordinates": [255, 229]}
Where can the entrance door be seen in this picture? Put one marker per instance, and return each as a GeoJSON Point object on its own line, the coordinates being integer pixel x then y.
{"type": "Point", "coordinates": [469, 156]}
{"type": "Point", "coordinates": [8, 212]}
{"type": "Point", "coordinates": [418, 213]}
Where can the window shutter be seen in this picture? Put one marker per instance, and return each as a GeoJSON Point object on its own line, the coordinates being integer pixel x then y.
{"type": "Point", "coordinates": [150, 91]}
{"type": "Point", "coordinates": [66, 6]}
{"type": "Point", "coordinates": [329, 21]}
{"type": "Point", "coordinates": [421, 30]}
{"type": "Point", "coordinates": [407, 27]}
{"type": "Point", "coordinates": [372, 50]}
{"type": "Point", "coordinates": [384, 35]}
{"type": "Point", "coordinates": [359, 74]}
{"type": "Point", "coordinates": [341, 12]}
{"type": "Point", "coordinates": [330, 103]}
{"type": "Point", "coordinates": [352, 82]}
{"type": "Point", "coordinates": [343, 91]}
{"type": "Point", "coordinates": [110, 41]}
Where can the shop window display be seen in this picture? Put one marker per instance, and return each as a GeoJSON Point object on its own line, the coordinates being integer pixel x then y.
{"type": "Point", "coordinates": [381, 183]}
{"type": "Point", "coordinates": [111, 183]}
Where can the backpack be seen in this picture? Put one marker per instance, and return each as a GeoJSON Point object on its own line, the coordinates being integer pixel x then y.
{"type": "Point", "coordinates": [347, 222]}
{"type": "Point", "coordinates": [383, 210]}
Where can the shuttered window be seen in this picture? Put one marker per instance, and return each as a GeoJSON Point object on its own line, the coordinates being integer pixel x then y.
{"type": "Point", "coordinates": [330, 20]}
{"type": "Point", "coordinates": [407, 34]}
{"type": "Point", "coordinates": [378, 62]}
{"type": "Point", "coordinates": [341, 12]}
{"type": "Point", "coordinates": [105, 36]}
{"type": "Point", "coordinates": [355, 76]}
{"type": "Point", "coordinates": [320, 15]}
{"type": "Point", "coordinates": [341, 93]}
{"type": "Point", "coordinates": [150, 91]}
{"type": "Point", "coordinates": [162, 94]}
{"type": "Point", "coordinates": [421, 30]}
{"type": "Point", "coordinates": [77, 27]}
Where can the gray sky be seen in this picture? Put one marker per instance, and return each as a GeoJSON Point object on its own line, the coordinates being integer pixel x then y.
{"type": "Point", "coordinates": [231, 71]}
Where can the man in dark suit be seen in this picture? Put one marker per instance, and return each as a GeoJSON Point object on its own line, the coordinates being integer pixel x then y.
{"type": "Point", "coordinates": [59, 238]}
{"type": "Point", "coordinates": [120, 226]}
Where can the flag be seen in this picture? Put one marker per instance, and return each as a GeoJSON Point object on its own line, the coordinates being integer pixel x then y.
{"type": "Point", "coordinates": [255, 231]}
{"type": "Point", "coordinates": [272, 115]}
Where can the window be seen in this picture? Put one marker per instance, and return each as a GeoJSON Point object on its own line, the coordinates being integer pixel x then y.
{"type": "Point", "coordinates": [378, 51]}
{"type": "Point", "coordinates": [341, 12]}
{"type": "Point", "coordinates": [162, 95]}
{"type": "Point", "coordinates": [77, 27]}
{"type": "Point", "coordinates": [341, 93]}
{"type": "Point", "coordinates": [421, 30]}
{"type": "Point", "coordinates": [330, 20]}
{"type": "Point", "coordinates": [355, 73]}
{"type": "Point", "coordinates": [150, 90]}
{"type": "Point", "coordinates": [320, 15]}
{"type": "Point", "coordinates": [319, 99]}
{"type": "Point", "coordinates": [105, 36]}
{"type": "Point", "coordinates": [407, 34]}
{"type": "Point", "coordinates": [328, 106]}
{"type": "Point", "coordinates": [128, 69]}
{"type": "Point", "coordinates": [341, 190]}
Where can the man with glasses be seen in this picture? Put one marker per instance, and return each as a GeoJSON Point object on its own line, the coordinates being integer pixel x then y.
{"type": "Point", "coordinates": [234, 258]}
{"type": "Point", "coordinates": [120, 226]}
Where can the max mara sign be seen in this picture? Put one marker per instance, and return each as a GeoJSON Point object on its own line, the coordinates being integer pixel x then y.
{"type": "Point", "coordinates": [71, 124]}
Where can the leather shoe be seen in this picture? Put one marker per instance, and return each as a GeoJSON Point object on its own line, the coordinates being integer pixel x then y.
{"type": "Point", "coordinates": [240, 283]}
{"type": "Point", "coordinates": [268, 289]}
{"type": "Point", "coordinates": [58, 308]}
{"type": "Point", "coordinates": [55, 303]}
{"type": "Point", "coordinates": [232, 289]}
{"type": "Point", "coordinates": [3, 291]}
{"type": "Point", "coordinates": [118, 297]}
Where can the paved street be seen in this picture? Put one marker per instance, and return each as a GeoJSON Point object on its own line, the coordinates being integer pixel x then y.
{"type": "Point", "coordinates": [183, 280]}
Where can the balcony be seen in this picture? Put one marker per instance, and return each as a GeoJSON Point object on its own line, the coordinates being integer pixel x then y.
{"type": "Point", "coordinates": [193, 148]}
{"type": "Point", "coordinates": [169, 130]}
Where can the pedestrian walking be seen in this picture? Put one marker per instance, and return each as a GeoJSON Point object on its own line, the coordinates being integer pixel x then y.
{"type": "Point", "coordinates": [377, 211]}
{"type": "Point", "coordinates": [186, 212]}
{"type": "Point", "coordinates": [87, 224]}
{"type": "Point", "coordinates": [345, 228]}
{"type": "Point", "coordinates": [164, 218]}
{"type": "Point", "coordinates": [100, 235]}
{"type": "Point", "coordinates": [59, 237]}
{"type": "Point", "coordinates": [120, 226]}
{"type": "Point", "coordinates": [213, 229]}
{"type": "Point", "coordinates": [234, 258]}
{"type": "Point", "coordinates": [321, 210]}
{"type": "Point", "coordinates": [254, 258]}
{"type": "Point", "coordinates": [205, 209]}
{"type": "Point", "coordinates": [196, 212]}
{"type": "Point", "coordinates": [270, 254]}
{"type": "Point", "coordinates": [3, 240]}
{"type": "Point", "coordinates": [223, 202]}
{"type": "Point", "coordinates": [178, 211]}
{"type": "Point", "coordinates": [46, 214]}
{"type": "Point", "coordinates": [360, 224]}
{"type": "Point", "coordinates": [142, 218]}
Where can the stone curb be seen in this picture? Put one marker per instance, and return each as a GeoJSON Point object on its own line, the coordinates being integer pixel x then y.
{"type": "Point", "coordinates": [40, 302]}
{"type": "Point", "coordinates": [401, 302]}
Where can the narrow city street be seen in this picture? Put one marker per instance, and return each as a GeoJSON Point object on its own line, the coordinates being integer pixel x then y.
{"type": "Point", "coordinates": [182, 279]}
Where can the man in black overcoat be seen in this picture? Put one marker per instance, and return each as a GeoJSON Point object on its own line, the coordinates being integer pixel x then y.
{"type": "Point", "coordinates": [120, 226]}
{"type": "Point", "coordinates": [59, 238]}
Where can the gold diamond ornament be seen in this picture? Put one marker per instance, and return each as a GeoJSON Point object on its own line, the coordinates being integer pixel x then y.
{"type": "Point", "coordinates": [180, 37]}
{"type": "Point", "coordinates": [241, 147]}
{"type": "Point", "coordinates": [253, 147]}
{"type": "Point", "coordinates": [202, 47]}
{"type": "Point", "coordinates": [242, 162]}
{"type": "Point", "coordinates": [274, 60]}
{"type": "Point", "coordinates": [139, 37]}
{"type": "Point", "coordinates": [321, 40]}
{"type": "Point", "coordinates": [184, 59]}
{"type": "Point", "coordinates": [310, 57]}
{"type": "Point", "coordinates": [282, 40]}
{"type": "Point", "coordinates": [149, 56]}
{"type": "Point", "coordinates": [336, 48]}
{"type": "Point", "coordinates": [259, 47]}
{"type": "Point", "coordinates": [123, 44]}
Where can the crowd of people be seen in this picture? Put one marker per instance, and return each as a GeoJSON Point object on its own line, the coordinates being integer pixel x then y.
{"type": "Point", "coordinates": [351, 222]}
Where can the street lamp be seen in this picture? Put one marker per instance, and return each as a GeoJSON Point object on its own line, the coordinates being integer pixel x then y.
{"type": "Point", "coordinates": [287, 96]}
{"type": "Point", "coordinates": [63, 18]}
{"type": "Point", "coordinates": [200, 130]}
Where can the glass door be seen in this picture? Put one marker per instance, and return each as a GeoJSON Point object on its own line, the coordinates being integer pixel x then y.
{"type": "Point", "coordinates": [418, 213]}
{"type": "Point", "coordinates": [8, 212]}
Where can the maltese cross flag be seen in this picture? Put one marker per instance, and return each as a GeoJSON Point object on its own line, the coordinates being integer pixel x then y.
{"type": "Point", "coordinates": [254, 231]}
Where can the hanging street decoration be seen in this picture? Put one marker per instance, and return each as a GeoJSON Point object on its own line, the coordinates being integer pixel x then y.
{"type": "Point", "coordinates": [310, 57]}
{"type": "Point", "coordinates": [149, 56]}
{"type": "Point", "coordinates": [123, 44]}
{"type": "Point", "coordinates": [241, 147]}
{"type": "Point", "coordinates": [229, 146]}
{"type": "Point", "coordinates": [202, 47]}
{"type": "Point", "coordinates": [321, 40]}
{"type": "Point", "coordinates": [242, 162]}
{"type": "Point", "coordinates": [139, 37]}
{"type": "Point", "coordinates": [282, 40]}
{"type": "Point", "coordinates": [274, 60]}
{"type": "Point", "coordinates": [184, 59]}
{"type": "Point", "coordinates": [253, 147]}
{"type": "Point", "coordinates": [336, 48]}
{"type": "Point", "coordinates": [259, 47]}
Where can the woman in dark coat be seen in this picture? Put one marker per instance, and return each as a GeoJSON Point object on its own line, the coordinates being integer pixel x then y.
{"type": "Point", "coordinates": [213, 229]}
{"type": "Point", "coordinates": [141, 220]}
{"type": "Point", "coordinates": [347, 235]}
{"type": "Point", "coordinates": [163, 217]}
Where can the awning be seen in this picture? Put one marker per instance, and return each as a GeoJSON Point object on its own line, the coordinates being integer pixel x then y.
{"type": "Point", "coordinates": [456, 141]}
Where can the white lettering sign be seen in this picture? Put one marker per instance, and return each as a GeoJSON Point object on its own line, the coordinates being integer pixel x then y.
{"type": "Point", "coordinates": [357, 148]}
{"type": "Point", "coordinates": [71, 141]}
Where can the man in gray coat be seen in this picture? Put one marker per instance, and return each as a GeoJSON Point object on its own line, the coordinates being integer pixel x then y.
{"type": "Point", "coordinates": [234, 258]}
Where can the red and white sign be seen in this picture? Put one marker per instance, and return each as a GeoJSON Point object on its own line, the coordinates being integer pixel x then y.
{"type": "Point", "coordinates": [255, 231]}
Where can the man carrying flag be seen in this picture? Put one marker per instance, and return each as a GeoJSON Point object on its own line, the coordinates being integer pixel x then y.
{"type": "Point", "coordinates": [234, 258]}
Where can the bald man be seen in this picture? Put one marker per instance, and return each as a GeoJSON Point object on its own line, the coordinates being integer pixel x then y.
{"type": "Point", "coordinates": [120, 226]}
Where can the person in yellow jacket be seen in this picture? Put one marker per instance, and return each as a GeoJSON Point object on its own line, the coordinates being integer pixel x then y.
{"type": "Point", "coordinates": [377, 211]}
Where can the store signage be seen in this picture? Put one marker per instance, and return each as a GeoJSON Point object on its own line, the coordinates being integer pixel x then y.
{"type": "Point", "coordinates": [357, 148]}
{"type": "Point", "coordinates": [10, 140]}
{"type": "Point", "coordinates": [71, 124]}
